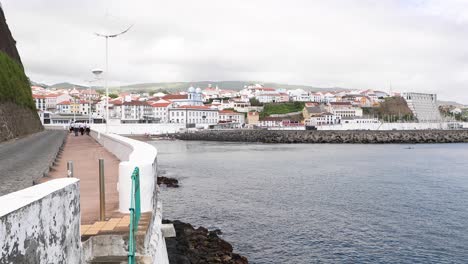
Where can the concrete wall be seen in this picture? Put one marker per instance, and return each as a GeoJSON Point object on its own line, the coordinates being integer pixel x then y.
{"type": "Point", "coordinates": [41, 224]}
{"type": "Point", "coordinates": [386, 126]}
{"type": "Point", "coordinates": [140, 129]}
{"type": "Point", "coordinates": [155, 242]}
{"type": "Point", "coordinates": [132, 153]}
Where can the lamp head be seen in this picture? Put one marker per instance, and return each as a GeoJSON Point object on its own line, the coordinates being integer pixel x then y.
{"type": "Point", "coordinates": [97, 72]}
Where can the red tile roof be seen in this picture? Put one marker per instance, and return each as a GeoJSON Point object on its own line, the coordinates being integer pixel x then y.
{"type": "Point", "coordinates": [38, 96]}
{"type": "Point", "coordinates": [159, 104]}
{"type": "Point", "coordinates": [341, 103]}
{"type": "Point", "coordinates": [194, 107]}
{"type": "Point", "coordinates": [175, 97]}
{"type": "Point", "coordinates": [229, 112]}
{"type": "Point", "coordinates": [135, 103]}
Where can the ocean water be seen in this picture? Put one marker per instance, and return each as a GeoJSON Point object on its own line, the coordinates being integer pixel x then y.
{"type": "Point", "coordinates": [324, 203]}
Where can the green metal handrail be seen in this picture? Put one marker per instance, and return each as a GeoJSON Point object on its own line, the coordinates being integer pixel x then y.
{"type": "Point", "coordinates": [135, 213]}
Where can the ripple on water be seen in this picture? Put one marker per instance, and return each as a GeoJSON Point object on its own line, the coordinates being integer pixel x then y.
{"type": "Point", "coordinates": [324, 203]}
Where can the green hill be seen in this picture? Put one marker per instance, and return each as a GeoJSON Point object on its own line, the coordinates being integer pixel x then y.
{"type": "Point", "coordinates": [14, 85]}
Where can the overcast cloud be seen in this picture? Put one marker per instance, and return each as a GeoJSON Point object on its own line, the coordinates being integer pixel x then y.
{"type": "Point", "coordinates": [414, 45]}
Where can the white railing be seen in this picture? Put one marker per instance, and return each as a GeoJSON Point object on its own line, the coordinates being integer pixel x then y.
{"type": "Point", "coordinates": [132, 153]}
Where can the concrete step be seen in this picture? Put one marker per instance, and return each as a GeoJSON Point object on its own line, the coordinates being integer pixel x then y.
{"type": "Point", "coordinates": [119, 260]}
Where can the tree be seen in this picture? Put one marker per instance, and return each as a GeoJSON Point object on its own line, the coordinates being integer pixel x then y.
{"type": "Point", "coordinates": [113, 95]}
{"type": "Point", "coordinates": [255, 102]}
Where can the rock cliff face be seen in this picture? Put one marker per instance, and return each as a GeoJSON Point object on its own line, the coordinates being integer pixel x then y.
{"type": "Point", "coordinates": [314, 136]}
{"type": "Point", "coordinates": [18, 116]}
{"type": "Point", "coordinates": [7, 43]}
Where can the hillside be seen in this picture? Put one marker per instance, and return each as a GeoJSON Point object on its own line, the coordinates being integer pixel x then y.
{"type": "Point", "coordinates": [18, 116]}
{"type": "Point", "coordinates": [393, 109]}
{"type": "Point", "coordinates": [229, 85]}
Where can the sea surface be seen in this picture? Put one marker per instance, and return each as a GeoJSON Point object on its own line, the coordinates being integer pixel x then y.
{"type": "Point", "coordinates": [327, 203]}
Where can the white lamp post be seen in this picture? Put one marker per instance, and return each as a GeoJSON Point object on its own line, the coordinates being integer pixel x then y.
{"type": "Point", "coordinates": [107, 69]}
{"type": "Point", "coordinates": [97, 72]}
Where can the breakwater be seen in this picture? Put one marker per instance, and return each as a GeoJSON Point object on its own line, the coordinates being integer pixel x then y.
{"type": "Point", "coordinates": [317, 136]}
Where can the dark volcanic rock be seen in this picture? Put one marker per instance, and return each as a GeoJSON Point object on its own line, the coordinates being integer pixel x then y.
{"type": "Point", "coordinates": [323, 136]}
{"type": "Point", "coordinates": [197, 246]}
{"type": "Point", "coordinates": [169, 182]}
{"type": "Point", "coordinates": [7, 43]}
{"type": "Point", "coordinates": [17, 121]}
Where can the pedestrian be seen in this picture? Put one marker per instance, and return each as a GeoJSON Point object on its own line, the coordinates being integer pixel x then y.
{"type": "Point", "coordinates": [76, 129]}
{"type": "Point", "coordinates": [82, 129]}
{"type": "Point", "coordinates": [88, 130]}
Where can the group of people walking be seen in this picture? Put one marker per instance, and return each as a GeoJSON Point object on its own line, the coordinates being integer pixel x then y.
{"type": "Point", "coordinates": [80, 128]}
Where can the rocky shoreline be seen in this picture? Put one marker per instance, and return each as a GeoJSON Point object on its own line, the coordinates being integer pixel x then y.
{"type": "Point", "coordinates": [322, 136]}
{"type": "Point", "coordinates": [197, 246]}
{"type": "Point", "coordinates": [169, 182]}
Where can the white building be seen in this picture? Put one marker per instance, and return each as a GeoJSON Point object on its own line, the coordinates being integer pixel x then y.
{"type": "Point", "coordinates": [359, 120]}
{"type": "Point", "coordinates": [161, 111]}
{"type": "Point", "coordinates": [299, 95]}
{"type": "Point", "coordinates": [39, 101]}
{"type": "Point", "coordinates": [272, 97]}
{"type": "Point", "coordinates": [424, 106]}
{"type": "Point", "coordinates": [193, 114]}
{"type": "Point", "coordinates": [323, 119]}
{"type": "Point", "coordinates": [343, 109]}
{"type": "Point", "coordinates": [136, 111]}
{"type": "Point", "coordinates": [227, 116]}
{"type": "Point", "coordinates": [89, 94]}
{"type": "Point", "coordinates": [64, 107]}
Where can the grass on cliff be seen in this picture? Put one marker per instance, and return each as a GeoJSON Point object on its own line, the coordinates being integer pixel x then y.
{"type": "Point", "coordinates": [14, 85]}
{"type": "Point", "coordinates": [282, 108]}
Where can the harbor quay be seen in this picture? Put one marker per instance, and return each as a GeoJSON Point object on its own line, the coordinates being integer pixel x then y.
{"type": "Point", "coordinates": [98, 203]}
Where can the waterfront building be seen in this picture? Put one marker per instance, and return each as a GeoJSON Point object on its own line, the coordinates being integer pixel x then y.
{"type": "Point", "coordinates": [424, 106]}
{"type": "Point", "coordinates": [136, 112]}
{"type": "Point", "coordinates": [323, 119]}
{"type": "Point", "coordinates": [359, 120]}
{"type": "Point", "coordinates": [253, 118]}
{"type": "Point", "coordinates": [270, 122]}
{"type": "Point", "coordinates": [161, 110]}
{"type": "Point", "coordinates": [193, 114]}
{"type": "Point", "coordinates": [228, 116]}
{"type": "Point", "coordinates": [343, 109]}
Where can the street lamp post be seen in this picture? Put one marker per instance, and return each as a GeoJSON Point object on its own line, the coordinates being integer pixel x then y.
{"type": "Point", "coordinates": [107, 69]}
{"type": "Point", "coordinates": [97, 73]}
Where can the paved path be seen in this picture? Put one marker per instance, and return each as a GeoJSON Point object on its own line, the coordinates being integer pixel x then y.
{"type": "Point", "coordinates": [85, 153]}
{"type": "Point", "coordinates": [23, 160]}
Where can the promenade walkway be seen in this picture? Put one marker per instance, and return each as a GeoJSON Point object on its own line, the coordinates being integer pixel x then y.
{"type": "Point", "coordinates": [85, 153]}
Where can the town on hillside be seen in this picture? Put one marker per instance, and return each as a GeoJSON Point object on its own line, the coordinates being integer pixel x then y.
{"type": "Point", "coordinates": [255, 106]}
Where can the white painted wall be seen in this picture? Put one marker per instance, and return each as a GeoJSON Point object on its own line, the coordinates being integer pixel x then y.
{"type": "Point", "coordinates": [139, 129]}
{"type": "Point", "coordinates": [132, 153]}
{"type": "Point", "coordinates": [41, 224]}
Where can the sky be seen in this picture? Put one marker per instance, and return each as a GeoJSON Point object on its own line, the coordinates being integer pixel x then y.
{"type": "Point", "coordinates": [403, 45]}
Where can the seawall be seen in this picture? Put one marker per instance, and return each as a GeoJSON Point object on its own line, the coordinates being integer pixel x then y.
{"type": "Point", "coordinates": [314, 136]}
{"type": "Point", "coordinates": [41, 224]}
